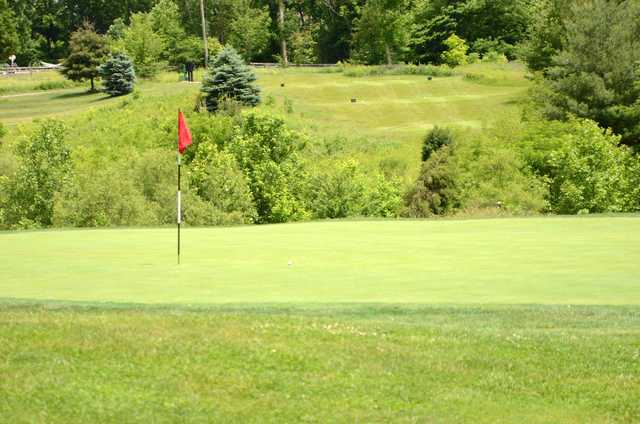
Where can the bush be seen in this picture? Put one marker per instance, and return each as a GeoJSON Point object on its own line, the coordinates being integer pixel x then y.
{"type": "Point", "coordinates": [268, 154]}
{"type": "Point", "coordinates": [229, 78]}
{"type": "Point", "coordinates": [217, 179]}
{"type": "Point", "coordinates": [343, 189]}
{"type": "Point", "coordinates": [103, 196]}
{"type": "Point", "coordinates": [45, 168]}
{"type": "Point", "coordinates": [360, 71]}
{"type": "Point", "coordinates": [435, 139]}
{"type": "Point", "coordinates": [456, 53]}
{"type": "Point", "coordinates": [494, 57]}
{"type": "Point", "coordinates": [118, 75]}
{"type": "Point", "coordinates": [475, 174]}
{"type": "Point", "coordinates": [590, 172]}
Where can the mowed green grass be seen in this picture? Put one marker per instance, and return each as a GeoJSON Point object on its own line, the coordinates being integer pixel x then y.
{"type": "Point", "coordinates": [397, 108]}
{"type": "Point", "coordinates": [257, 364]}
{"type": "Point", "coordinates": [591, 260]}
{"type": "Point", "coordinates": [63, 103]}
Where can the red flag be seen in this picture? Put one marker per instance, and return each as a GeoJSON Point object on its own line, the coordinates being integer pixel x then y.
{"type": "Point", "coordinates": [184, 135]}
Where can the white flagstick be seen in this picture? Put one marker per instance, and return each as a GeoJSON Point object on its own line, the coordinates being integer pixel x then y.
{"type": "Point", "coordinates": [179, 208]}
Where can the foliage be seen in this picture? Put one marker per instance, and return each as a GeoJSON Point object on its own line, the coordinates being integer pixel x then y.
{"type": "Point", "coordinates": [303, 46]}
{"type": "Point", "coordinates": [88, 52]}
{"type": "Point", "coordinates": [497, 25]}
{"type": "Point", "coordinates": [230, 78]}
{"type": "Point", "coordinates": [589, 172]}
{"type": "Point", "coordinates": [250, 33]}
{"type": "Point", "coordinates": [268, 154]}
{"type": "Point", "coordinates": [102, 194]}
{"type": "Point", "coordinates": [118, 75]}
{"type": "Point", "coordinates": [166, 22]}
{"type": "Point", "coordinates": [344, 189]}
{"type": "Point", "coordinates": [435, 139]}
{"type": "Point", "coordinates": [382, 32]}
{"type": "Point", "coordinates": [44, 170]}
{"type": "Point", "coordinates": [545, 34]}
{"type": "Point", "coordinates": [9, 35]}
{"type": "Point", "coordinates": [143, 45]}
{"type": "Point", "coordinates": [475, 174]}
{"type": "Point", "coordinates": [367, 71]}
{"type": "Point", "coordinates": [217, 179]}
{"type": "Point", "coordinates": [456, 53]}
{"type": "Point", "coordinates": [596, 72]}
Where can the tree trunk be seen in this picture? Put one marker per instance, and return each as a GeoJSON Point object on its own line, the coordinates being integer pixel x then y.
{"type": "Point", "coordinates": [388, 52]}
{"type": "Point", "coordinates": [283, 41]}
{"type": "Point", "coordinates": [204, 35]}
{"type": "Point", "coordinates": [92, 88]}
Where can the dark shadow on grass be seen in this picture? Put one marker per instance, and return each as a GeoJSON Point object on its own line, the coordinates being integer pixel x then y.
{"type": "Point", "coordinates": [75, 94]}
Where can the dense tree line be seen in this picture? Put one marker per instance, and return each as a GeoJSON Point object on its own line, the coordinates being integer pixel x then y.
{"type": "Point", "coordinates": [368, 31]}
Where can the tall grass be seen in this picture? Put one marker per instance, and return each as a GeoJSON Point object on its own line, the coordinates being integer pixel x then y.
{"type": "Point", "coordinates": [359, 71]}
{"type": "Point", "coordinates": [38, 81]}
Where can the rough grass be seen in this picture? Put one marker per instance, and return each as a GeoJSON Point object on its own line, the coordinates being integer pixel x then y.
{"type": "Point", "coordinates": [37, 81]}
{"type": "Point", "coordinates": [590, 260]}
{"type": "Point", "coordinates": [349, 363]}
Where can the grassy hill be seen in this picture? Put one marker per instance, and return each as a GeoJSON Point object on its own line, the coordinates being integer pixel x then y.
{"type": "Point", "coordinates": [386, 124]}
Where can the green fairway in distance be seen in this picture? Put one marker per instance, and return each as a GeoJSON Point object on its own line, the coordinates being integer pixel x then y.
{"type": "Point", "coordinates": [590, 260]}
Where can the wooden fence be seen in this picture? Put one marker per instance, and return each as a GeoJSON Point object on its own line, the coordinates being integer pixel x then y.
{"type": "Point", "coordinates": [17, 70]}
{"type": "Point", "coordinates": [292, 65]}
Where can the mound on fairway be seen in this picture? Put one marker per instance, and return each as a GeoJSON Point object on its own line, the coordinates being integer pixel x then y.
{"type": "Point", "coordinates": [538, 260]}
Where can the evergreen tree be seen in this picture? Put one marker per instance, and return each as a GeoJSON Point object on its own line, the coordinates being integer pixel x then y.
{"type": "Point", "coordinates": [118, 75]}
{"type": "Point", "coordinates": [230, 78]}
{"type": "Point", "coordinates": [88, 51]}
{"type": "Point", "coordinates": [596, 72]}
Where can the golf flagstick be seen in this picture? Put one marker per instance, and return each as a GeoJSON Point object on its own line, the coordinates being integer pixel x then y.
{"type": "Point", "coordinates": [179, 208]}
{"type": "Point", "coordinates": [184, 139]}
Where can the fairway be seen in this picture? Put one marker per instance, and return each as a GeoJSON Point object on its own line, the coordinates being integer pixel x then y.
{"type": "Point", "coordinates": [392, 107]}
{"type": "Point", "coordinates": [591, 260]}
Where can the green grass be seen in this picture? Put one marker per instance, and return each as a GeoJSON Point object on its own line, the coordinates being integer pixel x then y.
{"type": "Point", "coordinates": [76, 102]}
{"type": "Point", "coordinates": [37, 81]}
{"type": "Point", "coordinates": [536, 260]}
{"type": "Point", "coordinates": [394, 107]}
{"type": "Point", "coordinates": [510, 364]}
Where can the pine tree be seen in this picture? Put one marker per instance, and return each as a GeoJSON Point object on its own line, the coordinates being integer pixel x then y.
{"type": "Point", "coordinates": [118, 75]}
{"type": "Point", "coordinates": [88, 51]}
{"type": "Point", "coordinates": [230, 78]}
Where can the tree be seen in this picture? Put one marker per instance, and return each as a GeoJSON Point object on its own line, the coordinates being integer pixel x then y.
{"type": "Point", "coordinates": [143, 44]}
{"type": "Point", "coordinates": [282, 33]}
{"type": "Point", "coordinates": [435, 139]}
{"type": "Point", "coordinates": [596, 73]}
{"type": "Point", "coordinates": [118, 75]}
{"type": "Point", "coordinates": [230, 78]}
{"type": "Point", "coordinates": [88, 51]}
{"type": "Point", "coordinates": [9, 34]}
{"type": "Point", "coordinates": [44, 170]}
{"type": "Point", "coordinates": [382, 32]}
{"type": "Point", "coordinates": [165, 16]}
{"type": "Point", "coordinates": [250, 33]}
{"type": "Point", "coordinates": [456, 53]}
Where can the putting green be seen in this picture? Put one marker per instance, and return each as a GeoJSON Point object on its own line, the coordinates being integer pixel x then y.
{"type": "Point", "coordinates": [592, 260]}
